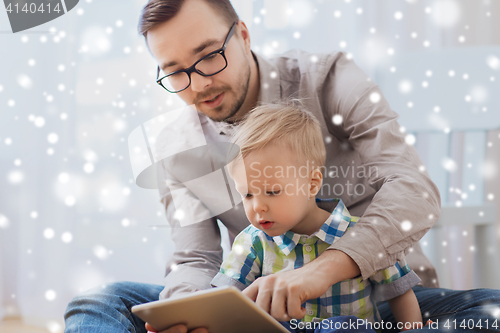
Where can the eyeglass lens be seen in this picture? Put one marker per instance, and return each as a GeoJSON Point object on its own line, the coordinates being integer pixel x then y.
{"type": "Point", "coordinates": [208, 66]}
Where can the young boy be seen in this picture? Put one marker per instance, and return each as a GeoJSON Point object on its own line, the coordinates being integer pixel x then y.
{"type": "Point", "coordinates": [278, 174]}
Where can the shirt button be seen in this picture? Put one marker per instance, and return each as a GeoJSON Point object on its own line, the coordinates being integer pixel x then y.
{"type": "Point", "coordinates": [310, 312]}
{"type": "Point", "coordinates": [308, 248]}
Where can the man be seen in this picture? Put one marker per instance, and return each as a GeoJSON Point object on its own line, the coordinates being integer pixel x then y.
{"type": "Point", "coordinates": [205, 51]}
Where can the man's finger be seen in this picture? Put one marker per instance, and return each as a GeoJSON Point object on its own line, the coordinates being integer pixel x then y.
{"type": "Point", "coordinates": [294, 306]}
{"type": "Point", "coordinates": [278, 305]}
{"type": "Point", "coordinates": [263, 299]}
{"type": "Point", "coordinates": [251, 291]}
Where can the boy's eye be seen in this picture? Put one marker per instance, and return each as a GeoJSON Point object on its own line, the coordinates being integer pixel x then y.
{"type": "Point", "coordinates": [272, 192]}
{"type": "Point", "coordinates": [248, 195]}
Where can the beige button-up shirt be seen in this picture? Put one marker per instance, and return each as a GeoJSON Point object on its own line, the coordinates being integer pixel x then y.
{"type": "Point", "coordinates": [368, 165]}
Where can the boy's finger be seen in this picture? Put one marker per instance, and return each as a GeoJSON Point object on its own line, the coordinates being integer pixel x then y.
{"type": "Point", "coordinates": [150, 328]}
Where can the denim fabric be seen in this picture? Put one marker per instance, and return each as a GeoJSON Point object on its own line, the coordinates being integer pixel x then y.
{"type": "Point", "coordinates": [451, 308]}
{"type": "Point", "coordinates": [108, 309]}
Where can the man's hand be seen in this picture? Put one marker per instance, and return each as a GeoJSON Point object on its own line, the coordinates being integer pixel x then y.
{"type": "Point", "coordinates": [176, 329]}
{"type": "Point", "coordinates": [282, 294]}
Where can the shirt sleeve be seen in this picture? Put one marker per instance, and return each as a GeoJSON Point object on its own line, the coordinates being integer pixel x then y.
{"type": "Point", "coordinates": [198, 252]}
{"type": "Point", "coordinates": [244, 263]}
{"type": "Point", "coordinates": [404, 192]}
{"type": "Point", "coordinates": [393, 281]}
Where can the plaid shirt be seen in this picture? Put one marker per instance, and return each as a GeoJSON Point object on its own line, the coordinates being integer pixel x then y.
{"type": "Point", "coordinates": [255, 254]}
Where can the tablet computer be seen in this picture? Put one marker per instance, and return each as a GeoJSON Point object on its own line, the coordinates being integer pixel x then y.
{"type": "Point", "coordinates": [220, 310]}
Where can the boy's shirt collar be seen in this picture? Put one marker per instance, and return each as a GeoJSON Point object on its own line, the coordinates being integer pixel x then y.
{"type": "Point", "coordinates": [333, 228]}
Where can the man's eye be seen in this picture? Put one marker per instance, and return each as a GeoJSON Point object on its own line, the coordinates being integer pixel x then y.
{"type": "Point", "coordinates": [248, 195]}
{"type": "Point", "coordinates": [273, 193]}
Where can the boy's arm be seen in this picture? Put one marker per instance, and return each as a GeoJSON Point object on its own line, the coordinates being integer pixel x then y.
{"type": "Point", "coordinates": [406, 310]}
{"type": "Point", "coordinates": [244, 264]}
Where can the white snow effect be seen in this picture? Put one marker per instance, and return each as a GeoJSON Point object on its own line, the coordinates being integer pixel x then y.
{"type": "Point", "coordinates": [39, 122]}
{"type": "Point", "coordinates": [17, 162]}
{"type": "Point", "coordinates": [50, 295]}
{"type": "Point", "coordinates": [67, 237]}
{"type": "Point", "coordinates": [88, 167]}
{"type": "Point", "coordinates": [448, 164]}
{"type": "Point", "coordinates": [48, 233]}
{"type": "Point", "coordinates": [398, 16]}
{"type": "Point", "coordinates": [179, 214]}
{"type": "Point", "coordinates": [15, 177]}
{"type": "Point", "coordinates": [337, 119]}
{"type": "Point", "coordinates": [69, 201]}
{"type": "Point", "coordinates": [446, 13]}
{"type": "Point", "coordinates": [101, 252]}
{"type": "Point", "coordinates": [4, 222]}
{"type": "Point", "coordinates": [52, 138]}
{"type": "Point", "coordinates": [405, 86]}
{"type": "Point", "coordinates": [491, 196]}
{"type": "Point", "coordinates": [410, 139]}
{"type": "Point", "coordinates": [479, 94]}
{"type": "Point", "coordinates": [24, 81]}
{"type": "Point", "coordinates": [63, 177]}
{"type": "Point", "coordinates": [303, 13]}
{"type": "Point", "coordinates": [125, 222]}
{"type": "Point", "coordinates": [7, 141]}
{"type": "Point", "coordinates": [375, 97]}
{"type": "Point", "coordinates": [11, 103]}
{"type": "Point", "coordinates": [96, 40]}
{"type": "Point", "coordinates": [406, 225]}
{"type": "Point", "coordinates": [34, 214]}
{"type": "Point", "coordinates": [493, 62]}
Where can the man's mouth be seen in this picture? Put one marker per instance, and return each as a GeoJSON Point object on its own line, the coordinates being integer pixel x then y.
{"type": "Point", "coordinates": [214, 101]}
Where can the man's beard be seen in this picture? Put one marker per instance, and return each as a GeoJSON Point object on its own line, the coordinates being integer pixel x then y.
{"type": "Point", "coordinates": [233, 109]}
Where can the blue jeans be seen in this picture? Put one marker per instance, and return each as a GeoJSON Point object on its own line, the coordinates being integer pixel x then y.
{"type": "Point", "coordinates": [108, 309]}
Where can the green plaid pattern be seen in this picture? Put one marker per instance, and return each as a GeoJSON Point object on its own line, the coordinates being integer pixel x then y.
{"type": "Point", "coordinates": [255, 254]}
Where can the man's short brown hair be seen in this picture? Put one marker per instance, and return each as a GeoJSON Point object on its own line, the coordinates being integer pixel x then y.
{"type": "Point", "coordinates": [158, 11]}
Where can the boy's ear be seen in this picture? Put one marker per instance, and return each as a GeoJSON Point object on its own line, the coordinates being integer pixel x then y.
{"type": "Point", "coordinates": [316, 180]}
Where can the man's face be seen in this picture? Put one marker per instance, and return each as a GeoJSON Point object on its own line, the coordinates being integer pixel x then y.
{"type": "Point", "coordinates": [194, 32]}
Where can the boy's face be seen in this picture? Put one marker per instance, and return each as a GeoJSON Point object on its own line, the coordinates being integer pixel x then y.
{"type": "Point", "coordinates": [276, 190]}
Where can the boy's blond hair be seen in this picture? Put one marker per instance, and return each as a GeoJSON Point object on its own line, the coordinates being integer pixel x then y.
{"type": "Point", "coordinates": [288, 124]}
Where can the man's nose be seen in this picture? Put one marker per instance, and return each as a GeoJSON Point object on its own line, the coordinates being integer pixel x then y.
{"type": "Point", "coordinates": [199, 82]}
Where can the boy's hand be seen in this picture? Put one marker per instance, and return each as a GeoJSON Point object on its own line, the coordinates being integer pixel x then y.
{"type": "Point", "coordinates": [282, 294]}
{"type": "Point", "coordinates": [176, 329]}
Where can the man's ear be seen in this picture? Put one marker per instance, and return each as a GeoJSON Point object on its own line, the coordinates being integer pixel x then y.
{"type": "Point", "coordinates": [245, 35]}
{"type": "Point", "coordinates": [315, 182]}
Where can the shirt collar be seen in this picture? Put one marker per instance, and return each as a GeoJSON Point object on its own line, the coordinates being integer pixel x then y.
{"type": "Point", "coordinates": [269, 77]}
{"type": "Point", "coordinates": [333, 228]}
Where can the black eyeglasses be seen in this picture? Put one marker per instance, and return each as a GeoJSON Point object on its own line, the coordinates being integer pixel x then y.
{"type": "Point", "coordinates": [211, 64]}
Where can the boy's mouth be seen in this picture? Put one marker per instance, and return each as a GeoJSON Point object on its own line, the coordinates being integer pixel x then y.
{"type": "Point", "coordinates": [266, 224]}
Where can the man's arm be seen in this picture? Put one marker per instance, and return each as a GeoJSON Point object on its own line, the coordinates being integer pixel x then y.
{"type": "Point", "coordinates": [405, 191]}
{"type": "Point", "coordinates": [197, 256]}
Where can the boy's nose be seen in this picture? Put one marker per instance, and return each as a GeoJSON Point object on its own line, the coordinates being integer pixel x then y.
{"type": "Point", "coordinates": [260, 206]}
{"type": "Point", "coordinates": [199, 82]}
